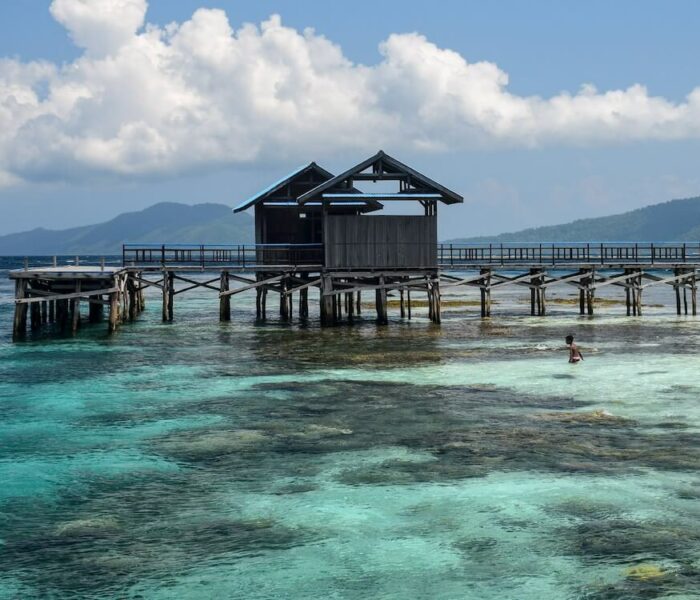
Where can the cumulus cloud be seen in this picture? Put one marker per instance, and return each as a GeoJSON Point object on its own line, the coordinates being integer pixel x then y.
{"type": "Point", "coordinates": [147, 100]}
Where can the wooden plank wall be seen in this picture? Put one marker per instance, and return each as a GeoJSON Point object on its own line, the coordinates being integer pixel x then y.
{"type": "Point", "coordinates": [382, 241]}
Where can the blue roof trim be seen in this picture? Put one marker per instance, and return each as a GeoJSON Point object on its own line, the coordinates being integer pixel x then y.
{"type": "Point", "coordinates": [252, 200]}
{"type": "Point", "coordinates": [402, 196]}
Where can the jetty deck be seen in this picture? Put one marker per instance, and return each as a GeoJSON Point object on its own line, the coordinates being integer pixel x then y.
{"type": "Point", "coordinates": [54, 294]}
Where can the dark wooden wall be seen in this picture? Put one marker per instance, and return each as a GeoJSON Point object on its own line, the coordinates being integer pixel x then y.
{"type": "Point", "coordinates": [380, 241]}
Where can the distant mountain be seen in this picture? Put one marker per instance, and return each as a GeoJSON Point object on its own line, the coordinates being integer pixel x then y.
{"type": "Point", "coordinates": [677, 220]}
{"type": "Point", "coordinates": [162, 223]}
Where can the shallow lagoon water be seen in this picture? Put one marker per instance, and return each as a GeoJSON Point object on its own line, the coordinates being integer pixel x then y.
{"type": "Point", "coordinates": [243, 460]}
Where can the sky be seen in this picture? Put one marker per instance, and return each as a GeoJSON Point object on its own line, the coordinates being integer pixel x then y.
{"type": "Point", "coordinates": [537, 112]}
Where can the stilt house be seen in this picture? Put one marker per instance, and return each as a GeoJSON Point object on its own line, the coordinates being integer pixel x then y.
{"type": "Point", "coordinates": [313, 217]}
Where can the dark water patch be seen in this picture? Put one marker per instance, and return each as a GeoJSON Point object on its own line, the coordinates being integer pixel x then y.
{"type": "Point", "coordinates": [481, 547]}
{"type": "Point", "coordinates": [126, 529]}
{"type": "Point", "coordinates": [583, 509]}
{"type": "Point", "coordinates": [626, 541]}
{"type": "Point", "coordinates": [650, 581]}
{"type": "Point", "coordinates": [689, 493]}
{"type": "Point", "coordinates": [469, 432]}
{"type": "Point", "coordinates": [671, 425]}
{"type": "Point", "coordinates": [395, 472]}
{"type": "Point", "coordinates": [299, 487]}
{"type": "Point", "coordinates": [680, 388]}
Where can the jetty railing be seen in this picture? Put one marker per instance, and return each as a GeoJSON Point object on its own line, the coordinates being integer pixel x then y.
{"type": "Point", "coordinates": [240, 255]}
{"type": "Point", "coordinates": [603, 253]}
{"type": "Point", "coordinates": [448, 255]}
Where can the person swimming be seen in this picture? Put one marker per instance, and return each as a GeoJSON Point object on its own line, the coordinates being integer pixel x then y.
{"type": "Point", "coordinates": [575, 355]}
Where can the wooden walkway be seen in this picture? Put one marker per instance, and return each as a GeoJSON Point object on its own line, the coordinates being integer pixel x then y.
{"type": "Point", "coordinates": [55, 294]}
{"type": "Point", "coordinates": [449, 256]}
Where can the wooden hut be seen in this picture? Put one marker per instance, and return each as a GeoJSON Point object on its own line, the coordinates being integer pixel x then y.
{"type": "Point", "coordinates": [313, 217]}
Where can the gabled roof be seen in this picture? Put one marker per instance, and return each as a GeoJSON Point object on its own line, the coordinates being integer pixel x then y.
{"type": "Point", "coordinates": [414, 186]}
{"type": "Point", "coordinates": [279, 192]}
{"type": "Point", "coordinates": [279, 185]}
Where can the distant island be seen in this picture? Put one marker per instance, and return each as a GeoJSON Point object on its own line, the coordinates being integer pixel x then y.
{"type": "Point", "coordinates": [162, 223]}
{"type": "Point", "coordinates": [676, 220]}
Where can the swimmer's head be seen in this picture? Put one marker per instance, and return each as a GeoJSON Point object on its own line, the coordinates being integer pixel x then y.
{"type": "Point", "coordinates": [569, 339]}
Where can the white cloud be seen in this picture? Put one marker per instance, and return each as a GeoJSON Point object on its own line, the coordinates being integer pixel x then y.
{"type": "Point", "coordinates": [144, 100]}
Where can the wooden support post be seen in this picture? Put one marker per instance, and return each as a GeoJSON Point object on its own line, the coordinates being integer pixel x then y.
{"type": "Point", "coordinates": [124, 298]}
{"type": "Point", "coordinates": [408, 303]}
{"type": "Point", "coordinates": [52, 311]}
{"type": "Point", "coordinates": [62, 313]}
{"type": "Point", "coordinates": [590, 292]}
{"type": "Point", "coordinates": [95, 311]}
{"type": "Point", "coordinates": [35, 315]}
{"type": "Point", "coordinates": [485, 287]}
{"type": "Point", "coordinates": [359, 303]}
{"type": "Point", "coordinates": [224, 301]}
{"type": "Point", "coordinates": [639, 294]}
{"type": "Point", "coordinates": [168, 295]}
{"type": "Point", "coordinates": [685, 299]}
{"type": "Point", "coordinates": [533, 291]}
{"type": "Point", "coordinates": [171, 296]}
{"type": "Point", "coordinates": [429, 291]}
{"type": "Point", "coordinates": [543, 301]}
{"type": "Point", "coordinates": [628, 295]}
{"type": "Point", "coordinates": [326, 301]}
{"type": "Point", "coordinates": [693, 295]}
{"type": "Point", "coordinates": [304, 303]}
{"type": "Point", "coordinates": [166, 298]}
{"type": "Point", "coordinates": [437, 308]}
{"type": "Point", "coordinates": [258, 303]}
{"type": "Point", "coordinates": [382, 316]}
{"type": "Point", "coordinates": [401, 304]}
{"type": "Point", "coordinates": [583, 282]}
{"type": "Point", "coordinates": [141, 295]}
{"type": "Point", "coordinates": [349, 304]}
{"type": "Point", "coordinates": [133, 300]}
{"type": "Point", "coordinates": [114, 310]}
{"type": "Point", "coordinates": [677, 290]}
{"type": "Point", "coordinates": [75, 325]}
{"type": "Point", "coordinates": [488, 296]}
{"type": "Point", "coordinates": [283, 301]}
{"type": "Point", "coordinates": [44, 312]}
{"type": "Point", "coordinates": [263, 304]}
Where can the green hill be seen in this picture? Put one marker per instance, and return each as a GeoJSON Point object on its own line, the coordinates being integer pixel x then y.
{"type": "Point", "coordinates": [677, 220]}
{"type": "Point", "coordinates": [162, 223]}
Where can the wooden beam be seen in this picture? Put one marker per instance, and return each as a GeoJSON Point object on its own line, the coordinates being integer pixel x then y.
{"type": "Point", "coordinates": [147, 283]}
{"type": "Point", "coordinates": [304, 286]}
{"type": "Point", "coordinates": [66, 296]}
{"type": "Point", "coordinates": [196, 283]}
{"type": "Point", "coordinates": [252, 286]}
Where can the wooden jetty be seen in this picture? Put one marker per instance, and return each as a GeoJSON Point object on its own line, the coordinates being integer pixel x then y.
{"type": "Point", "coordinates": [317, 231]}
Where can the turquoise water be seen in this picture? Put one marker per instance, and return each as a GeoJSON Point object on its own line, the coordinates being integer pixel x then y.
{"type": "Point", "coordinates": [241, 460]}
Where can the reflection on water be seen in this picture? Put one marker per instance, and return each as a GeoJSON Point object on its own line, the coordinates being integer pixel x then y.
{"type": "Point", "coordinates": [243, 460]}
